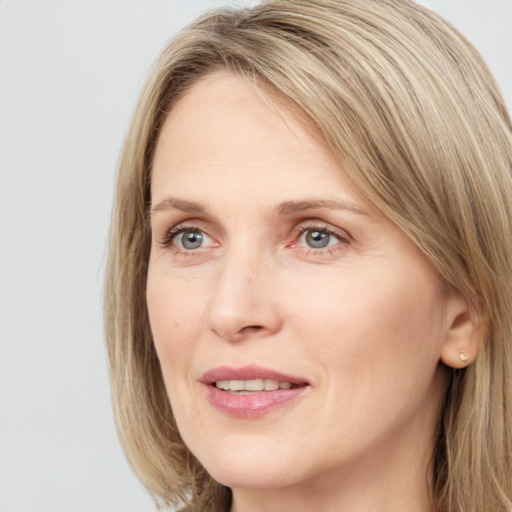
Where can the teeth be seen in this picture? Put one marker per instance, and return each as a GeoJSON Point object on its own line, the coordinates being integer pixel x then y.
{"type": "Point", "coordinates": [271, 385]}
{"type": "Point", "coordinates": [236, 385]}
{"type": "Point", "coordinates": [252, 385]}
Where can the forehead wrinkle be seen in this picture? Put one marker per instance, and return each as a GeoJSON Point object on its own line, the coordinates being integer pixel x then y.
{"type": "Point", "coordinates": [283, 208]}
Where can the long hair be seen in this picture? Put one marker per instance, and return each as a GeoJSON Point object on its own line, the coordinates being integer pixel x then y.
{"type": "Point", "coordinates": [412, 112]}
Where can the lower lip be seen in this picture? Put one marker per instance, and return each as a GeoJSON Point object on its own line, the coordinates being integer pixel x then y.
{"type": "Point", "coordinates": [251, 405]}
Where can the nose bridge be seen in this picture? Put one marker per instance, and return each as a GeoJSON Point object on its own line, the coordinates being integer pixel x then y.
{"type": "Point", "coordinates": [242, 302]}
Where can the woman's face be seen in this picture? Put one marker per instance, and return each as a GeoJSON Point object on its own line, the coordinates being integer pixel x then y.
{"type": "Point", "coordinates": [269, 270]}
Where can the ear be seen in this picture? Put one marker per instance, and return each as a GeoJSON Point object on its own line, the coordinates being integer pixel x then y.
{"type": "Point", "coordinates": [464, 334]}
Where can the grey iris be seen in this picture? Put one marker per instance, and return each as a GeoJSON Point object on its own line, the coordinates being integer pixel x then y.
{"type": "Point", "coordinates": [317, 239]}
{"type": "Point", "coordinates": [192, 239]}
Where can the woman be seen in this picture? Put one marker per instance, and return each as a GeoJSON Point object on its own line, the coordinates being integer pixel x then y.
{"type": "Point", "coordinates": [308, 295]}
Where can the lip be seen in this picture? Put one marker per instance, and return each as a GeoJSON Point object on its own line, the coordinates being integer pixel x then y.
{"type": "Point", "coordinates": [254, 404]}
{"type": "Point", "coordinates": [248, 373]}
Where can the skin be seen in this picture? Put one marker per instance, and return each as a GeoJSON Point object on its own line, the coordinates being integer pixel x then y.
{"type": "Point", "coordinates": [364, 320]}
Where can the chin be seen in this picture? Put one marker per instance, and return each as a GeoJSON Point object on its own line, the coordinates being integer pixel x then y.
{"type": "Point", "coordinates": [254, 467]}
{"type": "Point", "coordinates": [257, 478]}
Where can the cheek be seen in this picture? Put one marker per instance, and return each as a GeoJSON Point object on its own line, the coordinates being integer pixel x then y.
{"type": "Point", "coordinates": [378, 347]}
{"type": "Point", "coordinates": [368, 320]}
{"type": "Point", "coordinates": [175, 314]}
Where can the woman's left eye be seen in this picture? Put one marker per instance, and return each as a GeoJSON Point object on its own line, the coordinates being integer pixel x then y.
{"type": "Point", "coordinates": [318, 238]}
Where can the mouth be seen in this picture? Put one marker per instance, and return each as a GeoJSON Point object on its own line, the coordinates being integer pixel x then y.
{"type": "Point", "coordinates": [245, 387]}
{"type": "Point", "coordinates": [251, 391]}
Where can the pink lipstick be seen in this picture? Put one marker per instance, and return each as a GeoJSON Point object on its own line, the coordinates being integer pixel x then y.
{"type": "Point", "coordinates": [250, 391]}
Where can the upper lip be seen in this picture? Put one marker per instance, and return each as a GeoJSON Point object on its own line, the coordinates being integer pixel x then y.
{"type": "Point", "coordinates": [248, 373]}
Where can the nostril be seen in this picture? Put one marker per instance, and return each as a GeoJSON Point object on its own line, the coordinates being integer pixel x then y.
{"type": "Point", "coordinates": [252, 328]}
{"type": "Point", "coordinates": [248, 329]}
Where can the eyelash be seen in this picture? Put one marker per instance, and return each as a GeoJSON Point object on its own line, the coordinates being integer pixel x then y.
{"type": "Point", "coordinates": [343, 237]}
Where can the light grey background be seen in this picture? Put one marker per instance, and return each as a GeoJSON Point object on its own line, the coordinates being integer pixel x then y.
{"type": "Point", "coordinates": [70, 71]}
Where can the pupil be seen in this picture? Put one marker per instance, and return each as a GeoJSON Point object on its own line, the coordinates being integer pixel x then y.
{"type": "Point", "coordinates": [317, 239]}
{"type": "Point", "coordinates": [192, 239]}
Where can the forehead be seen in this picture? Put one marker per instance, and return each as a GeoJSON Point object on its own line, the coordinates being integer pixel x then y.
{"type": "Point", "coordinates": [223, 108]}
{"type": "Point", "coordinates": [226, 129]}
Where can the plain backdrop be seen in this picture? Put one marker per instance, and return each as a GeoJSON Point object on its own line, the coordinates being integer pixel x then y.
{"type": "Point", "coordinates": [70, 72]}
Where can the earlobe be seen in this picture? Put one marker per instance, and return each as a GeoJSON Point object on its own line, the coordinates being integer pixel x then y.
{"type": "Point", "coordinates": [464, 336]}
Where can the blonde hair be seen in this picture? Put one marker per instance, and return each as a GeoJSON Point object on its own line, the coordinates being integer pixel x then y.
{"type": "Point", "coordinates": [413, 113]}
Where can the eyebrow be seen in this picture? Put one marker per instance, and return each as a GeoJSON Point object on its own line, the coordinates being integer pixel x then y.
{"type": "Point", "coordinates": [284, 208]}
{"type": "Point", "coordinates": [179, 204]}
{"type": "Point", "coordinates": [291, 207]}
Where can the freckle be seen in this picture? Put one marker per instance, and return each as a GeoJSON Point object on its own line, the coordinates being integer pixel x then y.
{"type": "Point", "coordinates": [176, 324]}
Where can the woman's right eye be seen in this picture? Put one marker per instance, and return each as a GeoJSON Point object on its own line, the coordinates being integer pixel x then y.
{"type": "Point", "coordinates": [188, 239]}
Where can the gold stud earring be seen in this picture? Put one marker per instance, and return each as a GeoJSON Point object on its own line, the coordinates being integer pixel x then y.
{"type": "Point", "coordinates": [463, 356]}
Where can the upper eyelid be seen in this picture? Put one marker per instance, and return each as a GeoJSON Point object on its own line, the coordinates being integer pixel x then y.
{"type": "Point", "coordinates": [323, 226]}
{"type": "Point", "coordinates": [167, 227]}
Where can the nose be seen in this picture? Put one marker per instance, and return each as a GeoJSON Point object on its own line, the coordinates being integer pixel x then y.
{"type": "Point", "coordinates": [243, 304]}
